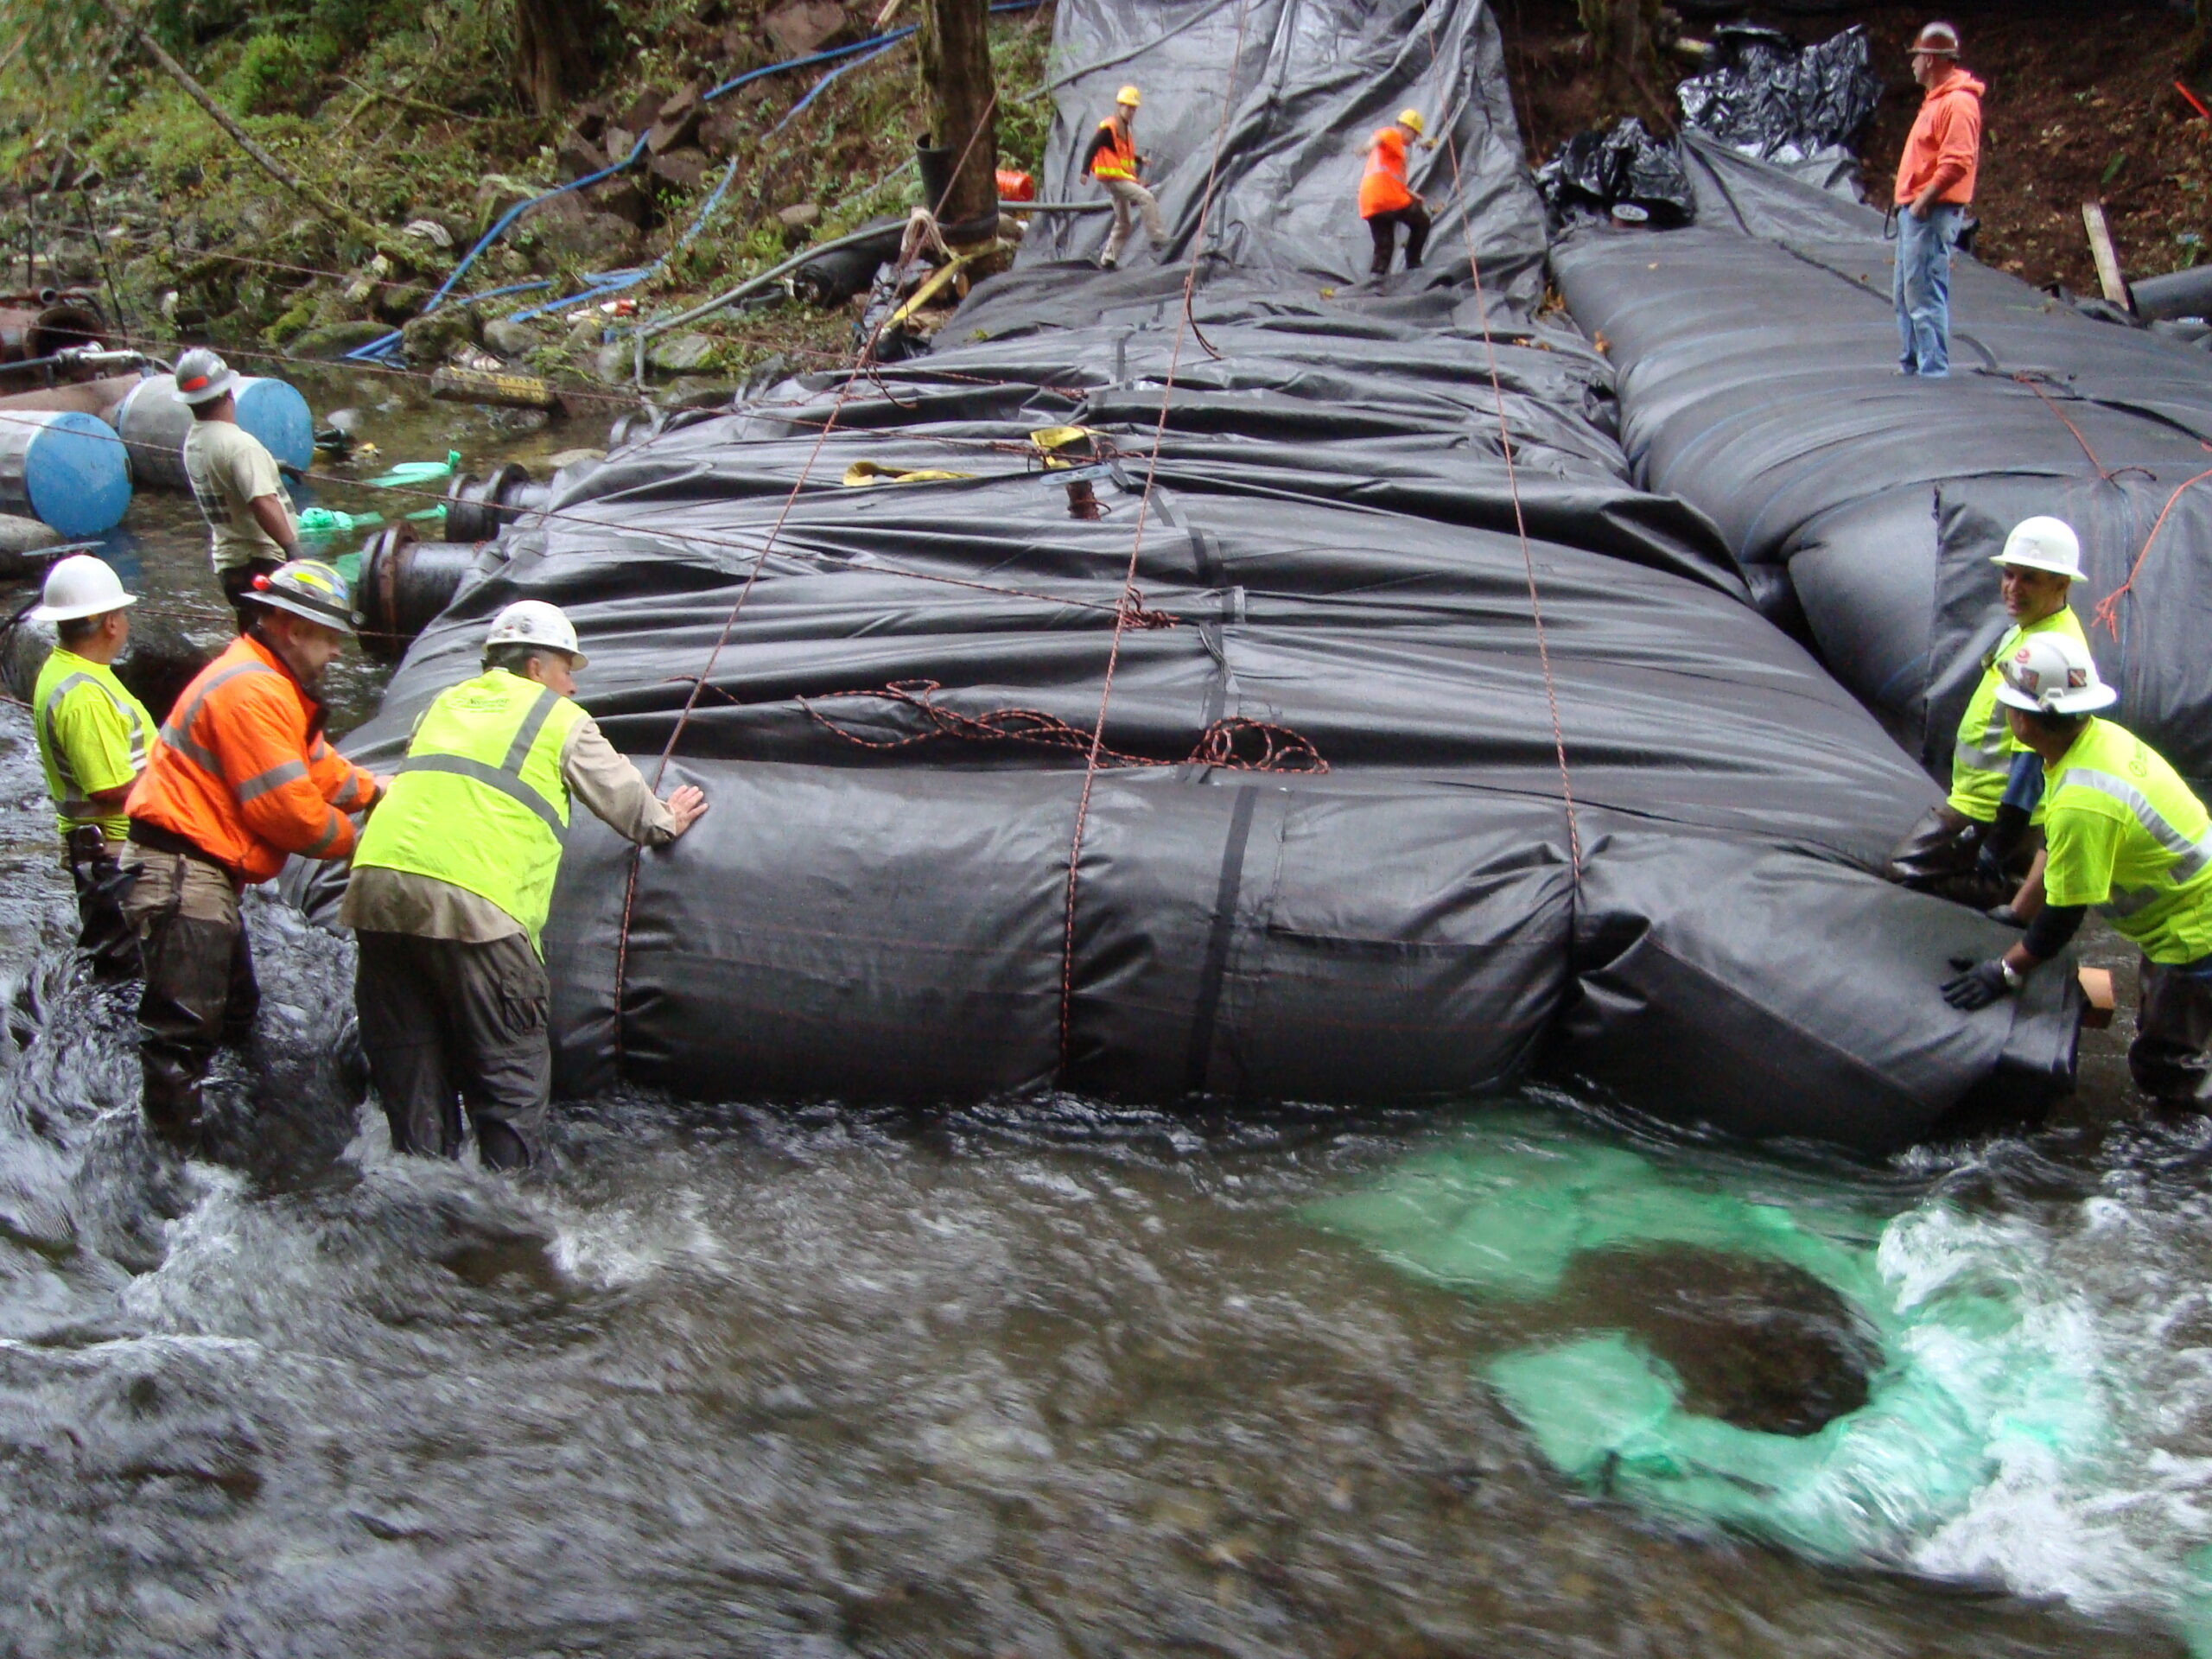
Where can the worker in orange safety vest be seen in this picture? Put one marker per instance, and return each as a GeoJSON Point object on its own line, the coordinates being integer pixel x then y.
{"type": "Point", "coordinates": [1386, 201]}
{"type": "Point", "coordinates": [1113, 160]}
{"type": "Point", "coordinates": [239, 777]}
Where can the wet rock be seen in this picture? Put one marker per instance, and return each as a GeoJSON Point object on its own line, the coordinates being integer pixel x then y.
{"type": "Point", "coordinates": [678, 121]}
{"type": "Point", "coordinates": [583, 333]}
{"type": "Point", "coordinates": [396, 302]}
{"type": "Point", "coordinates": [510, 338]}
{"type": "Point", "coordinates": [433, 338]}
{"type": "Point", "coordinates": [682, 168]}
{"type": "Point", "coordinates": [681, 353]}
{"type": "Point", "coordinates": [720, 136]}
{"type": "Point", "coordinates": [570, 230]}
{"type": "Point", "coordinates": [336, 338]}
{"type": "Point", "coordinates": [577, 159]}
{"type": "Point", "coordinates": [623, 198]}
{"type": "Point", "coordinates": [803, 25]}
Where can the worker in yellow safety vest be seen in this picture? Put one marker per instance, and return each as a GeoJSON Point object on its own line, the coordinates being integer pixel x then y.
{"type": "Point", "coordinates": [1114, 162]}
{"type": "Point", "coordinates": [92, 740]}
{"type": "Point", "coordinates": [1976, 846]}
{"type": "Point", "coordinates": [453, 883]}
{"type": "Point", "coordinates": [2124, 831]}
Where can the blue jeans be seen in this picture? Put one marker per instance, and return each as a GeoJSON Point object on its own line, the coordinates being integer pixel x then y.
{"type": "Point", "coordinates": [1924, 287]}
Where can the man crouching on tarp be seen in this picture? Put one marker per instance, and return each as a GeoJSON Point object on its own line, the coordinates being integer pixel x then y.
{"type": "Point", "coordinates": [453, 881]}
{"type": "Point", "coordinates": [1971, 848]}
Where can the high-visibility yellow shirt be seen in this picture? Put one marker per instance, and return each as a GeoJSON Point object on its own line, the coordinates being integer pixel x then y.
{"type": "Point", "coordinates": [2122, 830]}
{"type": "Point", "coordinates": [92, 737]}
{"type": "Point", "coordinates": [1982, 760]}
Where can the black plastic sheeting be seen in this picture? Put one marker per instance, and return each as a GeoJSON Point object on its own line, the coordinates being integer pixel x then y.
{"type": "Point", "coordinates": [877, 906]}
{"type": "Point", "coordinates": [1765, 96]}
{"type": "Point", "coordinates": [1757, 354]}
{"type": "Point", "coordinates": [1305, 86]}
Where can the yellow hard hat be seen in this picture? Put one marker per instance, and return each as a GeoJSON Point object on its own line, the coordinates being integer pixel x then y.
{"type": "Point", "coordinates": [1127, 95]}
{"type": "Point", "coordinates": [1411, 119]}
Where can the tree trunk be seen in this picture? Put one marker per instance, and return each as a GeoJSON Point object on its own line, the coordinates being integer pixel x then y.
{"type": "Point", "coordinates": [557, 50]}
{"type": "Point", "coordinates": [1624, 41]}
{"type": "Point", "coordinates": [956, 52]}
{"type": "Point", "coordinates": [2196, 50]}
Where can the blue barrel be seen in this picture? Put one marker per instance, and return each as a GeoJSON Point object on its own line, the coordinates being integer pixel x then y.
{"type": "Point", "coordinates": [154, 420]}
{"type": "Point", "coordinates": [67, 468]}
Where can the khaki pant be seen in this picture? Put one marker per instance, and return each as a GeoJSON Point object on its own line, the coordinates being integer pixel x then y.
{"type": "Point", "coordinates": [199, 987]}
{"type": "Point", "coordinates": [445, 1023]}
{"type": "Point", "coordinates": [1130, 199]}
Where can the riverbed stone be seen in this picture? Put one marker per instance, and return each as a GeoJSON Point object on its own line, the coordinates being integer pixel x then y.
{"type": "Point", "coordinates": [681, 353]}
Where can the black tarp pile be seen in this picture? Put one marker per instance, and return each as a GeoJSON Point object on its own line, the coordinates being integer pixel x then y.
{"type": "Point", "coordinates": [1762, 95]}
{"type": "Point", "coordinates": [1327, 565]}
{"type": "Point", "coordinates": [1757, 354]}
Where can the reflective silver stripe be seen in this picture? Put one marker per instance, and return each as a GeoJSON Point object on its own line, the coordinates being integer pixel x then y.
{"type": "Point", "coordinates": [335, 828]}
{"type": "Point", "coordinates": [526, 734]}
{"type": "Point", "coordinates": [47, 715]}
{"type": "Point", "coordinates": [350, 795]}
{"type": "Point", "coordinates": [505, 782]}
{"type": "Point", "coordinates": [176, 733]}
{"type": "Point", "coordinates": [275, 777]}
{"type": "Point", "coordinates": [1975, 760]}
{"type": "Point", "coordinates": [2191, 858]}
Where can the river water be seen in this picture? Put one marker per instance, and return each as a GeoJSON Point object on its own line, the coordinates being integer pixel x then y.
{"type": "Point", "coordinates": [1043, 1379]}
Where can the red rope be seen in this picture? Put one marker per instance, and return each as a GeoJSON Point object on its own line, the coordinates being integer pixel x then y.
{"type": "Point", "coordinates": [1228, 744]}
{"type": "Point", "coordinates": [1184, 327]}
{"type": "Point", "coordinates": [2029, 381]}
{"type": "Point", "coordinates": [692, 702]}
{"type": "Point", "coordinates": [1513, 484]}
{"type": "Point", "coordinates": [2107, 611]}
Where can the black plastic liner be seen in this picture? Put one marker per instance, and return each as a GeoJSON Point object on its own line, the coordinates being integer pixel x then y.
{"type": "Point", "coordinates": [1601, 170]}
{"type": "Point", "coordinates": [1757, 353]}
{"type": "Point", "coordinates": [1768, 97]}
{"type": "Point", "coordinates": [892, 733]}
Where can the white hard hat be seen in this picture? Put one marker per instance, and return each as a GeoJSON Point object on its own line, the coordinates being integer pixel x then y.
{"type": "Point", "coordinates": [2050, 674]}
{"type": "Point", "coordinates": [534, 622]}
{"type": "Point", "coordinates": [80, 586]}
{"type": "Point", "coordinates": [2043, 544]}
{"type": "Point", "coordinates": [202, 377]}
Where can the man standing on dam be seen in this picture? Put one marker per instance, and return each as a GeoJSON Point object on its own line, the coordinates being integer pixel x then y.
{"type": "Point", "coordinates": [454, 881]}
{"type": "Point", "coordinates": [1967, 848]}
{"type": "Point", "coordinates": [1936, 178]}
{"type": "Point", "coordinates": [1386, 201]}
{"type": "Point", "coordinates": [2124, 832]}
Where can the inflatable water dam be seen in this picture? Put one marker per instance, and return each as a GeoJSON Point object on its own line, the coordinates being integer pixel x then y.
{"type": "Point", "coordinates": [1756, 350]}
{"type": "Point", "coordinates": [1434, 751]}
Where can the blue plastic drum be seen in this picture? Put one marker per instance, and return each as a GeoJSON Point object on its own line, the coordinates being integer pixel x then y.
{"type": "Point", "coordinates": [275, 412]}
{"type": "Point", "coordinates": [67, 468]}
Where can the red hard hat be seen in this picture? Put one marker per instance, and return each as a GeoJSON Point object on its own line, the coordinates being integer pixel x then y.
{"type": "Point", "coordinates": [1938, 41]}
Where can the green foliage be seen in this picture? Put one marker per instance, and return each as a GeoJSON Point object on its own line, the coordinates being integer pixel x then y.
{"type": "Point", "coordinates": [271, 74]}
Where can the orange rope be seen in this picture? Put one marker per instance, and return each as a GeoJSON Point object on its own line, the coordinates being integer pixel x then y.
{"type": "Point", "coordinates": [2107, 611]}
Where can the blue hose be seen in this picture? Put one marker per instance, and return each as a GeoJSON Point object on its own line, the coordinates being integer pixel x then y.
{"type": "Point", "coordinates": [615, 282]}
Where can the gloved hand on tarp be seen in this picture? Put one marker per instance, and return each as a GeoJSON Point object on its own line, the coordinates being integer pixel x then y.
{"type": "Point", "coordinates": [1981, 984]}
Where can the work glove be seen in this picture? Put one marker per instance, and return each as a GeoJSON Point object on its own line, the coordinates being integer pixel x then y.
{"type": "Point", "coordinates": [1982, 984]}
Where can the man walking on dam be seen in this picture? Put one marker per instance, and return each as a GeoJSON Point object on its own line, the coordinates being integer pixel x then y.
{"type": "Point", "coordinates": [1935, 178]}
{"type": "Point", "coordinates": [1113, 160]}
{"type": "Point", "coordinates": [92, 735]}
{"type": "Point", "coordinates": [1386, 201]}
{"type": "Point", "coordinates": [1966, 849]}
{"type": "Point", "coordinates": [250, 529]}
{"type": "Point", "coordinates": [240, 778]}
{"type": "Point", "coordinates": [2124, 832]}
{"type": "Point", "coordinates": [454, 881]}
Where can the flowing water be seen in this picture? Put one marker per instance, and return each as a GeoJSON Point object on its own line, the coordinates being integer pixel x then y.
{"type": "Point", "coordinates": [1045, 1379]}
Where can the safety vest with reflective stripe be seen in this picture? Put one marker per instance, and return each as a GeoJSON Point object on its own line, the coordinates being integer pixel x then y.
{"type": "Point", "coordinates": [1119, 159]}
{"type": "Point", "coordinates": [480, 801]}
{"type": "Point", "coordinates": [104, 746]}
{"type": "Point", "coordinates": [1383, 187]}
{"type": "Point", "coordinates": [1981, 759]}
{"type": "Point", "coordinates": [2123, 830]}
{"type": "Point", "coordinates": [241, 769]}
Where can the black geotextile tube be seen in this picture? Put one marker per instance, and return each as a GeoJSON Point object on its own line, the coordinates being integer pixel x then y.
{"type": "Point", "coordinates": [1757, 354]}
{"type": "Point", "coordinates": [1330, 568]}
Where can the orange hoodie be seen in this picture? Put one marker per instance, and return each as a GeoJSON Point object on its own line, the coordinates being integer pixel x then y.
{"type": "Point", "coordinates": [1944, 147]}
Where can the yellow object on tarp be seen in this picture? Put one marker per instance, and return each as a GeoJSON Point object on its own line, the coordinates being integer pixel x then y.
{"type": "Point", "coordinates": [869, 472]}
